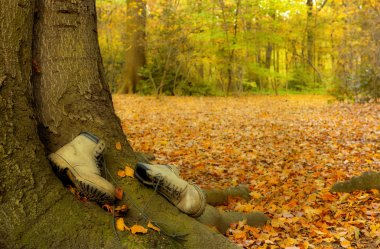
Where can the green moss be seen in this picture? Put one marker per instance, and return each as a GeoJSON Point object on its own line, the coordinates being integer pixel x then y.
{"type": "Point", "coordinates": [366, 181]}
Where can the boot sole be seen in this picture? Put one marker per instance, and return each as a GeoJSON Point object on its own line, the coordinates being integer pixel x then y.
{"type": "Point", "coordinates": [96, 189]}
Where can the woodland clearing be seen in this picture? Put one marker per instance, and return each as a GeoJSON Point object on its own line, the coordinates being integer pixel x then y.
{"type": "Point", "coordinates": [289, 150]}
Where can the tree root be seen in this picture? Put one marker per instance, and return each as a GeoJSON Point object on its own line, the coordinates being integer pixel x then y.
{"type": "Point", "coordinates": [366, 181]}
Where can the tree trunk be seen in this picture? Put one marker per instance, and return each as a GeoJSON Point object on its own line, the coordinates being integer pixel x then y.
{"type": "Point", "coordinates": [135, 57]}
{"type": "Point", "coordinates": [70, 95]}
{"type": "Point", "coordinates": [268, 55]}
{"type": "Point", "coordinates": [310, 35]}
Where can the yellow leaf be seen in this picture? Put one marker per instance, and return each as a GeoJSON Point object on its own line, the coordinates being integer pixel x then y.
{"type": "Point", "coordinates": [278, 222]}
{"type": "Point", "coordinates": [305, 244]}
{"type": "Point", "coordinates": [118, 146]}
{"type": "Point", "coordinates": [138, 229]}
{"type": "Point", "coordinates": [120, 225]}
{"type": "Point", "coordinates": [312, 198]}
{"type": "Point", "coordinates": [345, 243]}
{"type": "Point", "coordinates": [255, 195]}
{"type": "Point", "coordinates": [129, 171]}
{"type": "Point", "coordinates": [121, 173]}
{"type": "Point", "coordinates": [375, 191]}
{"type": "Point", "coordinates": [150, 225]}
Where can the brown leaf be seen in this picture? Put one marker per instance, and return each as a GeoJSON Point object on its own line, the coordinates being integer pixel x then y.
{"type": "Point", "coordinates": [121, 210]}
{"type": "Point", "coordinates": [108, 208]}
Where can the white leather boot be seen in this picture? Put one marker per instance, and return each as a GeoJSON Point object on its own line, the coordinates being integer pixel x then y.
{"type": "Point", "coordinates": [81, 160]}
{"type": "Point", "coordinates": [188, 198]}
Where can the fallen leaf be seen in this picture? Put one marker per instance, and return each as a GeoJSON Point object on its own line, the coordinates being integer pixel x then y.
{"type": "Point", "coordinates": [121, 210]}
{"type": "Point", "coordinates": [129, 171]}
{"type": "Point", "coordinates": [240, 235]}
{"type": "Point", "coordinates": [375, 191]}
{"type": "Point", "coordinates": [119, 193]}
{"type": "Point", "coordinates": [345, 243]}
{"type": "Point", "coordinates": [118, 146]}
{"type": "Point", "coordinates": [72, 190]}
{"type": "Point", "coordinates": [121, 173]}
{"type": "Point", "coordinates": [301, 148]}
{"type": "Point", "coordinates": [120, 225]}
{"type": "Point", "coordinates": [108, 208]}
{"type": "Point", "coordinates": [150, 225]}
{"type": "Point", "coordinates": [138, 229]}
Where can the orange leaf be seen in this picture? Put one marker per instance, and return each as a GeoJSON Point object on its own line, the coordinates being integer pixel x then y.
{"type": "Point", "coordinates": [328, 196]}
{"type": "Point", "coordinates": [121, 173]}
{"type": "Point", "coordinates": [240, 235]}
{"type": "Point", "coordinates": [120, 225]}
{"type": "Point", "coordinates": [138, 229]}
{"type": "Point", "coordinates": [129, 171]}
{"type": "Point", "coordinates": [72, 190]}
{"type": "Point", "coordinates": [150, 225]}
{"type": "Point", "coordinates": [119, 193]}
{"type": "Point", "coordinates": [118, 146]}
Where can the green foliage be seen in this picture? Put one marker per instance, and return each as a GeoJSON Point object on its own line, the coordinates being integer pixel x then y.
{"type": "Point", "coordinates": [235, 46]}
{"type": "Point", "coordinates": [369, 83]}
{"type": "Point", "coordinates": [249, 86]}
{"type": "Point", "coordinates": [358, 70]}
{"type": "Point", "coordinates": [300, 79]}
{"type": "Point", "coordinates": [198, 89]}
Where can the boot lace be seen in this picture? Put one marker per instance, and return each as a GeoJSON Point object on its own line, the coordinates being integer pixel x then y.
{"type": "Point", "coordinates": [99, 157]}
{"type": "Point", "coordinates": [166, 187]}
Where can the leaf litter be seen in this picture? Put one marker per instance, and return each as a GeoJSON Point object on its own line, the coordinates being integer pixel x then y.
{"type": "Point", "coordinates": [289, 150]}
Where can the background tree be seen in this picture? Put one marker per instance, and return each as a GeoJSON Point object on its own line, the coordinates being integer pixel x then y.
{"type": "Point", "coordinates": [112, 24]}
{"type": "Point", "coordinates": [215, 47]}
{"type": "Point", "coordinates": [357, 64]}
{"type": "Point", "coordinates": [70, 95]}
{"type": "Point", "coordinates": [135, 43]}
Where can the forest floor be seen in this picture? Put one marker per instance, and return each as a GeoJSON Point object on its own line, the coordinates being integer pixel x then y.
{"type": "Point", "coordinates": [289, 150]}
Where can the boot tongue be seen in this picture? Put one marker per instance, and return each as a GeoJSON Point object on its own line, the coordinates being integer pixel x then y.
{"type": "Point", "coordinates": [100, 144]}
{"type": "Point", "coordinates": [99, 148]}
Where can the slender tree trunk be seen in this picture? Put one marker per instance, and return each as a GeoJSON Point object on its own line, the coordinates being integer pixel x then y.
{"type": "Point", "coordinates": [135, 56]}
{"type": "Point", "coordinates": [310, 35]}
{"type": "Point", "coordinates": [70, 95]}
{"type": "Point", "coordinates": [268, 55]}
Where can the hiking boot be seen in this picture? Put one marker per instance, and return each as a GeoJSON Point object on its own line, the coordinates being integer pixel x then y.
{"type": "Point", "coordinates": [81, 161]}
{"type": "Point", "coordinates": [188, 198]}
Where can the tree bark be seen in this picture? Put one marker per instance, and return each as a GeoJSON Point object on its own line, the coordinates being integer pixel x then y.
{"type": "Point", "coordinates": [69, 95]}
{"type": "Point", "coordinates": [310, 35]}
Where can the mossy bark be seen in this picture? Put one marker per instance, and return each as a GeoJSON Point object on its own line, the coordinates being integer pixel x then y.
{"type": "Point", "coordinates": [69, 96]}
